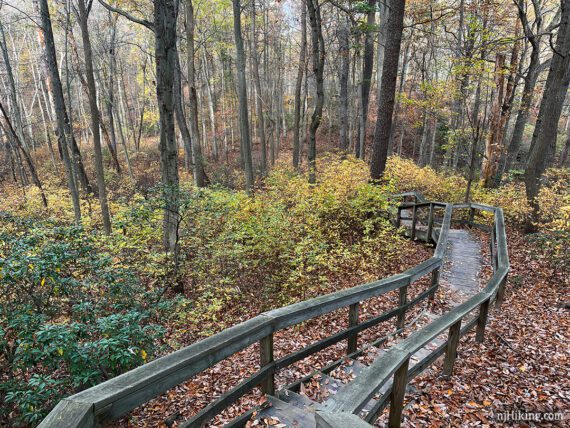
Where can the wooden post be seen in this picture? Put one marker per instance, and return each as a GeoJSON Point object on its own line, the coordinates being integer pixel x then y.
{"type": "Point", "coordinates": [403, 299]}
{"type": "Point", "coordinates": [430, 223]}
{"type": "Point", "coordinates": [352, 321]}
{"type": "Point", "coordinates": [451, 350]}
{"type": "Point", "coordinates": [501, 292]}
{"type": "Point", "coordinates": [471, 214]}
{"type": "Point", "coordinates": [492, 250]}
{"type": "Point", "coordinates": [414, 221]}
{"type": "Point", "coordinates": [266, 358]}
{"type": "Point", "coordinates": [397, 395]}
{"type": "Point", "coordinates": [482, 321]}
{"type": "Point", "coordinates": [434, 283]}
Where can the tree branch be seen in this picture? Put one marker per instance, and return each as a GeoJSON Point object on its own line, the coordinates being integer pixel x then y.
{"type": "Point", "coordinates": [127, 15]}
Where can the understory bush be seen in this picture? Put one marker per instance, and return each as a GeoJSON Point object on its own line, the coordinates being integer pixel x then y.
{"type": "Point", "coordinates": [69, 316]}
{"type": "Point", "coordinates": [78, 307]}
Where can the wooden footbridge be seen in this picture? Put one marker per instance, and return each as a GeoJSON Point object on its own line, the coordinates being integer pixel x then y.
{"type": "Point", "coordinates": [374, 382]}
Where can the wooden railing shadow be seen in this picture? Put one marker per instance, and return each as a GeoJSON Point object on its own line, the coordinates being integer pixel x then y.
{"type": "Point", "coordinates": [118, 396]}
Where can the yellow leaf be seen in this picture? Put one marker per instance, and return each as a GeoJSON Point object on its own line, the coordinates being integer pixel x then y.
{"type": "Point", "coordinates": [60, 351]}
{"type": "Point", "coordinates": [43, 282]}
{"type": "Point", "coordinates": [143, 354]}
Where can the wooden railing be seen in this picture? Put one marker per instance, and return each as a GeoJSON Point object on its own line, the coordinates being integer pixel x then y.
{"type": "Point", "coordinates": [118, 396]}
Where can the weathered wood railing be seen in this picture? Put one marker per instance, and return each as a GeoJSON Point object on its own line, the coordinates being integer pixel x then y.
{"type": "Point", "coordinates": [394, 364]}
{"type": "Point", "coordinates": [116, 397]}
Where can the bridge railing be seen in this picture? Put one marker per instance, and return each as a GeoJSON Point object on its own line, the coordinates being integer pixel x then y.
{"type": "Point", "coordinates": [395, 363]}
{"type": "Point", "coordinates": [120, 395]}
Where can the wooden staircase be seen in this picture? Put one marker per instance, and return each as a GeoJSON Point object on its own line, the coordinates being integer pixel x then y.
{"type": "Point", "coordinates": [352, 391]}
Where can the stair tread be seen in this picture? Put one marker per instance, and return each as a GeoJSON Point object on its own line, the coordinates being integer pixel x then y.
{"type": "Point", "coordinates": [298, 400]}
{"type": "Point", "coordinates": [280, 412]}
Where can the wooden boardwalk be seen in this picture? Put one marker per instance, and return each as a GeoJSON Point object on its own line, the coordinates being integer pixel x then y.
{"type": "Point", "coordinates": [462, 263]}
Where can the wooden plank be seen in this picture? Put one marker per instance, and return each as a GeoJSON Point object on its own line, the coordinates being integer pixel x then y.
{"type": "Point", "coordinates": [451, 349]}
{"type": "Point", "coordinates": [226, 399]}
{"type": "Point", "coordinates": [423, 268]}
{"type": "Point", "coordinates": [353, 397]}
{"type": "Point", "coordinates": [483, 207]}
{"type": "Point", "coordinates": [266, 359]}
{"type": "Point", "coordinates": [335, 338]}
{"type": "Point", "coordinates": [397, 395]}
{"type": "Point", "coordinates": [338, 420]}
{"type": "Point", "coordinates": [420, 338]}
{"type": "Point", "coordinates": [70, 414]}
{"type": "Point", "coordinates": [302, 311]}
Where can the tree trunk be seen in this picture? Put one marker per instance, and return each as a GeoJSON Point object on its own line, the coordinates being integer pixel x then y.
{"type": "Point", "coordinates": [494, 140]}
{"type": "Point", "coordinates": [318, 49]}
{"type": "Point", "coordinates": [545, 132]}
{"type": "Point", "coordinates": [26, 154]}
{"type": "Point", "coordinates": [83, 17]}
{"type": "Point", "coordinates": [197, 157]}
{"type": "Point", "coordinates": [242, 97]}
{"type": "Point", "coordinates": [298, 87]}
{"type": "Point", "coordinates": [63, 126]}
{"type": "Point", "coordinates": [259, 104]}
{"type": "Point", "coordinates": [394, 27]}
{"type": "Point", "coordinates": [367, 66]}
{"type": "Point", "coordinates": [165, 54]}
{"type": "Point", "coordinates": [344, 54]}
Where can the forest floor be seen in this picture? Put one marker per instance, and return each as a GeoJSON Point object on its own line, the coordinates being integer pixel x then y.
{"type": "Point", "coordinates": [522, 366]}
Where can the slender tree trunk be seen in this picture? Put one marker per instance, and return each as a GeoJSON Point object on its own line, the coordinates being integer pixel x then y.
{"type": "Point", "coordinates": [344, 53]}
{"type": "Point", "coordinates": [197, 157]}
{"type": "Point", "coordinates": [63, 126]}
{"type": "Point", "coordinates": [545, 132]}
{"type": "Point", "coordinates": [259, 104]}
{"type": "Point", "coordinates": [180, 117]}
{"type": "Point", "coordinates": [493, 144]}
{"type": "Point", "coordinates": [26, 154]}
{"type": "Point", "coordinates": [386, 101]}
{"type": "Point", "coordinates": [83, 16]}
{"type": "Point", "coordinates": [318, 49]}
{"type": "Point", "coordinates": [242, 97]}
{"type": "Point", "coordinates": [367, 67]}
{"type": "Point", "coordinates": [298, 87]}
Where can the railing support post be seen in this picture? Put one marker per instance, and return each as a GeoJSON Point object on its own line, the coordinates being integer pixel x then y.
{"type": "Point", "coordinates": [266, 358]}
{"type": "Point", "coordinates": [482, 321]}
{"type": "Point", "coordinates": [414, 221]}
{"type": "Point", "coordinates": [492, 249]}
{"type": "Point", "coordinates": [402, 300]}
{"type": "Point", "coordinates": [501, 292]}
{"type": "Point", "coordinates": [434, 283]}
{"type": "Point", "coordinates": [397, 395]}
{"type": "Point", "coordinates": [451, 350]}
{"type": "Point", "coordinates": [352, 321]}
{"type": "Point", "coordinates": [430, 223]}
{"type": "Point", "coordinates": [471, 214]}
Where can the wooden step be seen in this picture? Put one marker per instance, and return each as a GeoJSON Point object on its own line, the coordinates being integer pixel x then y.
{"type": "Point", "coordinates": [320, 387]}
{"type": "Point", "coordinates": [299, 400]}
{"type": "Point", "coordinates": [281, 414]}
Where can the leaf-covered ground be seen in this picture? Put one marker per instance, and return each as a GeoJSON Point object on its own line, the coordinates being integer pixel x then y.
{"type": "Point", "coordinates": [523, 365]}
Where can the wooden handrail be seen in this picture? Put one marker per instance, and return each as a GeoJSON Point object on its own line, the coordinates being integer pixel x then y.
{"type": "Point", "coordinates": [116, 397]}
